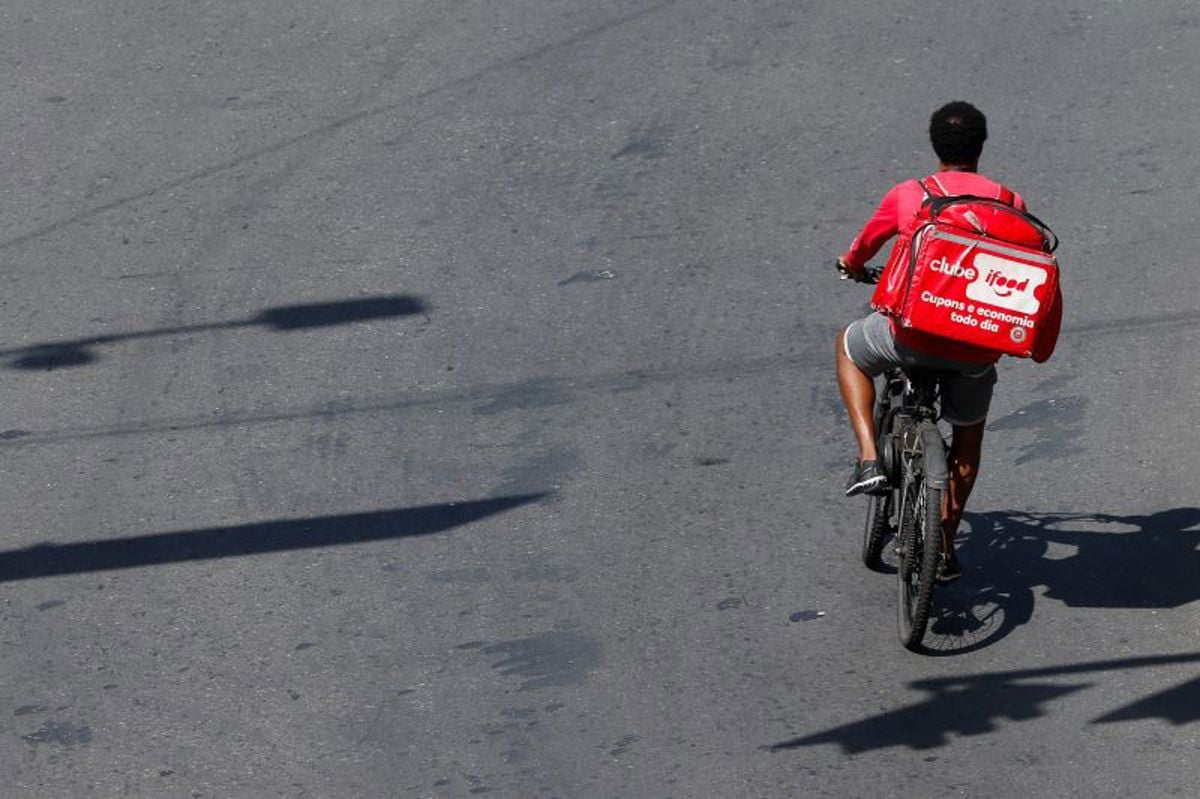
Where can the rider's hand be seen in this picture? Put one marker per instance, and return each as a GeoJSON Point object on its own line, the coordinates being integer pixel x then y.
{"type": "Point", "coordinates": [857, 275]}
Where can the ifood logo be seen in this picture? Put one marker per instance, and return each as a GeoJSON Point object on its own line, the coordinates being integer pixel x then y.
{"type": "Point", "coordinates": [1007, 284]}
{"type": "Point", "coordinates": [953, 270]}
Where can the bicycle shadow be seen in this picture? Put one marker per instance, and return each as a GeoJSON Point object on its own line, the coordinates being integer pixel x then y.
{"type": "Point", "coordinates": [1082, 560]}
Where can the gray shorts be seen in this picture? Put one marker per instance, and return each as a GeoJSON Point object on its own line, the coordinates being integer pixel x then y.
{"type": "Point", "coordinates": [872, 346]}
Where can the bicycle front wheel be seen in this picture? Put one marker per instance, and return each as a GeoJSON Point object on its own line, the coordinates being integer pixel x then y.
{"type": "Point", "coordinates": [881, 508]}
{"type": "Point", "coordinates": [879, 511]}
{"type": "Point", "coordinates": [920, 548]}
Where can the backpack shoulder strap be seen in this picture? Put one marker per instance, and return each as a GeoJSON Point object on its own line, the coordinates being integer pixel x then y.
{"type": "Point", "coordinates": [933, 187]}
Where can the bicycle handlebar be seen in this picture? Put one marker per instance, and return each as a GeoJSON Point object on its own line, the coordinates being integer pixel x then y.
{"type": "Point", "coordinates": [870, 274]}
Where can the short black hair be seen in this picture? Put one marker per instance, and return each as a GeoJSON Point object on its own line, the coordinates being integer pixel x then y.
{"type": "Point", "coordinates": [957, 131]}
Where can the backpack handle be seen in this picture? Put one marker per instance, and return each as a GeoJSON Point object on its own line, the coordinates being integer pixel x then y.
{"type": "Point", "coordinates": [939, 202]}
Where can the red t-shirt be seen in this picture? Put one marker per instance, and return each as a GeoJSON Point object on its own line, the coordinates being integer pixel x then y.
{"type": "Point", "coordinates": [894, 212]}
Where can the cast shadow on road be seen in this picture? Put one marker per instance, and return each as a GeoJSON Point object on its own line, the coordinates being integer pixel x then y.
{"type": "Point", "coordinates": [282, 319]}
{"type": "Point", "coordinates": [46, 560]}
{"type": "Point", "coordinates": [976, 705]}
{"type": "Point", "coordinates": [1082, 560]}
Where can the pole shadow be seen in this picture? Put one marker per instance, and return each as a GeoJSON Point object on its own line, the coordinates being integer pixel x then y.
{"type": "Point", "coordinates": [49, 560]}
{"type": "Point", "coordinates": [281, 319]}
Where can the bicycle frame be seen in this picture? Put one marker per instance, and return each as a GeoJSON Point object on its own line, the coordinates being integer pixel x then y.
{"type": "Point", "coordinates": [917, 432]}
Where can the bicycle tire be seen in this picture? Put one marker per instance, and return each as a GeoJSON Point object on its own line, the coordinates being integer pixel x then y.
{"type": "Point", "coordinates": [917, 568]}
{"type": "Point", "coordinates": [879, 512]}
{"type": "Point", "coordinates": [880, 508]}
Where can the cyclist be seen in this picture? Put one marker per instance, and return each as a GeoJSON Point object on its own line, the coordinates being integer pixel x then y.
{"type": "Point", "coordinates": [870, 345]}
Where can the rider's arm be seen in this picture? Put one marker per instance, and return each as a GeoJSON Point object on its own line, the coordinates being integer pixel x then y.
{"type": "Point", "coordinates": [882, 225]}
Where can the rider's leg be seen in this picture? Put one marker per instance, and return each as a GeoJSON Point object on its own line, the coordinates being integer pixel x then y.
{"type": "Point", "coordinates": [965, 402]}
{"type": "Point", "coordinates": [858, 394]}
{"type": "Point", "coordinates": [966, 449]}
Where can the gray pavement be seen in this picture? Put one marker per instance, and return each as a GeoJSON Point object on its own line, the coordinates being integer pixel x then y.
{"type": "Point", "coordinates": [435, 399]}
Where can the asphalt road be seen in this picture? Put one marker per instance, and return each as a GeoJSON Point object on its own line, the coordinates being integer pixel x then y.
{"type": "Point", "coordinates": [435, 399]}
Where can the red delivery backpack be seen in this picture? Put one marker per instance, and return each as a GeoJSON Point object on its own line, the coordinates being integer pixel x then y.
{"type": "Point", "coordinates": [975, 270]}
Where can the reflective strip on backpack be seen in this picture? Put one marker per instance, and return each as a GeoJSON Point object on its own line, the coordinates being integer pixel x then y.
{"type": "Point", "coordinates": [985, 244]}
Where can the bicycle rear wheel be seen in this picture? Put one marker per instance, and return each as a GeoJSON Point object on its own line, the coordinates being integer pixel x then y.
{"type": "Point", "coordinates": [920, 548]}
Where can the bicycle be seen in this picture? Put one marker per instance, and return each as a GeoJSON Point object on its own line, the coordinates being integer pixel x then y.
{"type": "Point", "coordinates": [912, 453]}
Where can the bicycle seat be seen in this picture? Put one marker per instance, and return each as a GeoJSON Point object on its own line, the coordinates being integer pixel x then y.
{"type": "Point", "coordinates": [926, 374]}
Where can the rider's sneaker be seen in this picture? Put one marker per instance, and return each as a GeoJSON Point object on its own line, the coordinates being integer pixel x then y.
{"type": "Point", "coordinates": [949, 569]}
{"type": "Point", "coordinates": [866, 478]}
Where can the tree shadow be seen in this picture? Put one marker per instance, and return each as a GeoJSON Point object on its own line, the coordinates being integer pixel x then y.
{"type": "Point", "coordinates": [1082, 560]}
{"type": "Point", "coordinates": [1057, 426]}
{"type": "Point", "coordinates": [281, 319]}
{"type": "Point", "coordinates": [1178, 705]}
{"type": "Point", "coordinates": [969, 709]}
{"type": "Point", "coordinates": [47, 560]}
{"type": "Point", "coordinates": [976, 705]}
